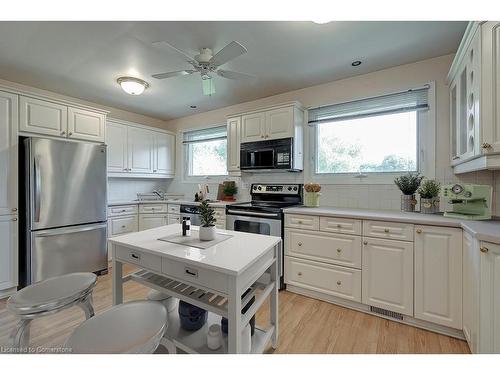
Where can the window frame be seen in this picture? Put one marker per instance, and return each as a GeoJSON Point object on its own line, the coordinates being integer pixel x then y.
{"type": "Point", "coordinates": [426, 152]}
{"type": "Point", "coordinates": [187, 158]}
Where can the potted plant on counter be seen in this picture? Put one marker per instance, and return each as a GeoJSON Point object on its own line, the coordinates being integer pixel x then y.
{"type": "Point", "coordinates": [207, 218]}
{"type": "Point", "coordinates": [230, 190]}
{"type": "Point", "coordinates": [408, 184]}
{"type": "Point", "coordinates": [311, 195]}
{"type": "Point", "coordinates": [429, 197]}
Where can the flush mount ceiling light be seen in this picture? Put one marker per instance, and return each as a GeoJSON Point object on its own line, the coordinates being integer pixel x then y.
{"type": "Point", "coordinates": [321, 21]}
{"type": "Point", "coordinates": [132, 86]}
{"type": "Point", "coordinates": [356, 63]}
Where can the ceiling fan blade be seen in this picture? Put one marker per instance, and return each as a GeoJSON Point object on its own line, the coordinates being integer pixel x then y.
{"type": "Point", "coordinates": [172, 74]}
{"type": "Point", "coordinates": [229, 52]}
{"type": "Point", "coordinates": [234, 75]}
{"type": "Point", "coordinates": [167, 46]}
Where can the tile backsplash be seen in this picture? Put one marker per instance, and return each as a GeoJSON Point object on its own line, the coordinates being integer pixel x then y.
{"type": "Point", "coordinates": [127, 188]}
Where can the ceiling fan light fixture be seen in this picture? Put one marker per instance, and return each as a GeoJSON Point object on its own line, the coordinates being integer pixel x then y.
{"type": "Point", "coordinates": [132, 86]}
{"type": "Point", "coordinates": [208, 86]}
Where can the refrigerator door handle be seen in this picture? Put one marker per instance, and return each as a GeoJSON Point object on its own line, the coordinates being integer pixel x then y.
{"type": "Point", "coordinates": [68, 230]}
{"type": "Point", "coordinates": [37, 189]}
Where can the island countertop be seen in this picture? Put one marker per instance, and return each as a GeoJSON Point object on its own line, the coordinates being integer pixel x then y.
{"type": "Point", "coordinates": [232, 256]}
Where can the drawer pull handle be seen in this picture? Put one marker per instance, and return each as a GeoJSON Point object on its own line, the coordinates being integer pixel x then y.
{"type": "Point", "coordinates": [419, 231]}
{"type": "Point", "coordinates": [300, 273]}
{"type": "Point", "coordinates": [190, 272]}
{"type": "Point", "coordinates": [339, 251]}
{"type": "Point", "coordinates": [124, 226]}
{"type": "Point", "coordinates": [135, 256]}
{"type": "Point", "coordinates": [386, 230]}
{"type": "Point", "coordinates": [365, 242]}
{"type": "Point", "coordinates": [14, 209]}
{"type": "Point", "coordinates": [339, 283]}
{"type": "Point", "coordinates": [484, 249]}
{"type": "Point", "coordinates": [300, 244]}
{"type": "Point", "coordinates": [339, 225]}
{"type": "Point", "coordinates": [14, 219]}
{"type": "Point", "coordinates": [300, 221]}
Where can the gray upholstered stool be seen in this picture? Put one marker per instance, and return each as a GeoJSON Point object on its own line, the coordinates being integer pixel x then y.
{"type": "Point", "coordinates": [48, 297]}
{"type": "Point", "coordinates": [133, 327]}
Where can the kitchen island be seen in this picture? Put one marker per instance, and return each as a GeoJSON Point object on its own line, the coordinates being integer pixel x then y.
{"type": "Point", "coordinates": [214, 278]}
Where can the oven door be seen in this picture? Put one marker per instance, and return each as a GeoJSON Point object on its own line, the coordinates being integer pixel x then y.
{"type": "Point", "coordinates": [253, 224]}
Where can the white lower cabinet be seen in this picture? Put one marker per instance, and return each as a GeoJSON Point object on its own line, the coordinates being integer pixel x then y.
{"type": "Point", "coordinates": [8, 252]}
{"type": "Point", "coordinates": [173, 219]}
{"type": "Point", "coordinates": [438, 275]}
{"type": "Point", "coordinates": [332, 280]}
{"type": "Point", "coordinates": [148, 221]}
{"type": "Point", "coordinates": [388, 275]}
{"type": "Point", "coordinates": [122, 225]}
{"type": "Point", "coordinates": [470, 291]}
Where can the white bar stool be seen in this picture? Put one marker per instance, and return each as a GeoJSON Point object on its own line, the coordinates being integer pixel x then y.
{"type": "Point", "coordinates": [49, 297]}
{"type": "Point", "coordinates": [132, 327]}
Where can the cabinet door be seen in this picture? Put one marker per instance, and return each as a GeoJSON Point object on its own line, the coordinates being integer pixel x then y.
{"type": "Point", "coordinates": [140, 150]}
{"type": "Point", "coordinates": [116, 139]}
{"type": "Point", "coordinates": [470, 290]}
{"type": "Point", "coordinates": [438, 275]}
{"type": "Point", "coordinates": [164, 154]}
{"type": "Point", "coordinates": [173, 219]}
{"type": "Point", "coordinates": [387, 275]}
{"type": "Point", "coordinates": [8, 251]}
{"type": "Point", "coordinates": [489, 318]}
{"type": "Point", "coordinates": [279, 123]}
{"type": "Point", "coordinates": [233, 144]}
{"type": "Point", "coordinates": [8, 153]}
{"type": "Point", "coordinates": [122, 224]}
{"type": "Point", "coordinates": [86, 125]}
{"type": "Point", "coordinates": [253, 127]}
{"type": "Point", "coordinates": [148, 221]}
{"type": "Point", "coordinates": [42, 117]}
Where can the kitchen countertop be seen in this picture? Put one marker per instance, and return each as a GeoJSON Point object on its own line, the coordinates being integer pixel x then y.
{"type": "Point", "coordinates": [215, 204]}
{"type": "Point", "coordinates": [485, 230]}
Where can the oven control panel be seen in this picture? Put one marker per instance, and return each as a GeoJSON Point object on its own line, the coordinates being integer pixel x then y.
{"type": "Point", "coordinates": [276, 189]}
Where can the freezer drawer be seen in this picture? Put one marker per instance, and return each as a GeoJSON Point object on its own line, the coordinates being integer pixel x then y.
{"type": "Point", "coordinates": [80, 248]}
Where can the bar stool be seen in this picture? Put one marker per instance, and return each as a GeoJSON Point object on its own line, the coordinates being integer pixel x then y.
{"type": "Point", "coordinates": [47, 297]}
{"type": "Point", "coordinates": [132, 327]}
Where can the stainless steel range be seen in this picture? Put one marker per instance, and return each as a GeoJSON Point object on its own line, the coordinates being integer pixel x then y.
{"type": "Point", "coordinates": [264, 214]}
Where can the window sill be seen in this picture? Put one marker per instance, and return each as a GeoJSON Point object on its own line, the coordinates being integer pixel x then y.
{"type": "Point", "coordinates": [205, 179]}
{"type": "Point", "coordinates": [355, 179]}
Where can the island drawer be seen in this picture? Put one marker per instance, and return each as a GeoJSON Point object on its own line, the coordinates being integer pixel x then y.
{"type": "Point", "coordinates": [174, 208]}
{"type": "Point", "coordinates": [153, 208]}
{"type": "Point", "coordinates": [340, 249]}
{"type": "Point", "coordinates": [324, 278]}
{"type": "Point", "coordinates": [389, 230]}
{"type": "Point", "coordinates": [142, 259]}
{"type": "Point", "coordinates": [122, 224]}
{"type": "Point", "coordinates": [192, 275]}
{"type": "Point", "coordinates": [340, 225]}
{"type": "Point", "coordinates": [130, 209]}
{"type": "Point", "coordinates": [302, 221]}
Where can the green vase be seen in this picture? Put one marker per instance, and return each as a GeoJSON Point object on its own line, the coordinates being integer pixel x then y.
{"type": "Point", "coordinates": [311, 199]}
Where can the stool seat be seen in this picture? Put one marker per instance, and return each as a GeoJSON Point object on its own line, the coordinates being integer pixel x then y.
{"type": "Point", "coordinates": [133, 327]}
{"type": "Point", "coordinates": [52, 294]}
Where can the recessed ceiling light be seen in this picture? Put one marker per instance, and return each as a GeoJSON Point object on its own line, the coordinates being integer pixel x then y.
{"type": "Point", "coordinates": [193, 106]}
{"type": "Point", "coordinates": [356, 63]}
{"type": "Point", "coordinates": [132, 86]}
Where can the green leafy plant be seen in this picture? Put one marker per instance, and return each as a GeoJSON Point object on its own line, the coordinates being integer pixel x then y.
{"type": "Point", "coordinates": [230, 190]}
{"type": "Point", "coordinates": [408, 183]}
{"type": "Point", "coordinates": [207, 214]}
{"type": "Point", "coordinates": [429, 189]}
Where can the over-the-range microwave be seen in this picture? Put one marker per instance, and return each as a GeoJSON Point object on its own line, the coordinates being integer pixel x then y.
{"type": "Point", "coordinates": [273, 155]}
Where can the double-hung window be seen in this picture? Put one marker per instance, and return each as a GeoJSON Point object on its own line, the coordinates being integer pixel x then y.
{"type": "Point", "coordinates": [373, 137]}
{"type": "Point", "coordinates": [205, 152]}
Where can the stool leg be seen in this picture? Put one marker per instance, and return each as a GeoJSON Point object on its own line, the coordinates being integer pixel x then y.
{"type": "Point", "coordinates": [20, 335]}
{"type": "Point", "coordinates": [86, 306]}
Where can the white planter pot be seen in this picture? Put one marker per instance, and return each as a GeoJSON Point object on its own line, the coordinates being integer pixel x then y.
{"type": "Point", "coordinates": [207, 233]}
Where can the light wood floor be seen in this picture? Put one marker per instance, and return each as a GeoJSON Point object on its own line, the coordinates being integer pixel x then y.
{"type": "Point", "coordinates": [306, 326]}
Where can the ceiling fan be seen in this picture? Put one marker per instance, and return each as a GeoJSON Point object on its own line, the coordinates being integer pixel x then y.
{"type": "Point", "coordinates": [207, 64]}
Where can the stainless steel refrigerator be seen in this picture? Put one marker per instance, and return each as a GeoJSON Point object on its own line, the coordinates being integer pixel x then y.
{"type": "Point", "coordinates": [66, 208]}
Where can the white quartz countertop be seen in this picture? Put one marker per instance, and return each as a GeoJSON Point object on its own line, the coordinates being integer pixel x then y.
{"type": "Point", "coordinates": [216, 204]}
{"type": "Point", "coordinates": [485, 230]}
{"type": "Point", "coordinates": [232, 256]}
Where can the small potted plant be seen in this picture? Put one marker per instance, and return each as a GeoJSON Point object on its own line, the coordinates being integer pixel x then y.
{"type": "Point", "coordinates": [408, 184]}
{"type": "Point", "coordinates": [311, 195]}
{"type": "Point", "coordinates": [207, 227]}
{"type": "Point", "coordinates": [230, 190]}
{"type": "Point", "coordinates": [429, 196]}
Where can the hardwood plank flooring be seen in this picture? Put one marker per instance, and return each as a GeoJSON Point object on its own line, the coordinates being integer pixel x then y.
{"type": "Point", "coordinates": [306, 326]}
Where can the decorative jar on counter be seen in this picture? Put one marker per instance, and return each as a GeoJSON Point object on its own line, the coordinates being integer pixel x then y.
{"type": "Point", "coordinates": [311, 195]}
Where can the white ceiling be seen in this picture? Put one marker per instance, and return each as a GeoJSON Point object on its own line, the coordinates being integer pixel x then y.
{"type": "Point", "coordinates": [84, 59]}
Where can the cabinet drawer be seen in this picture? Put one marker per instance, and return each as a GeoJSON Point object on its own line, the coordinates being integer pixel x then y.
{"type": "Point", "coordinates": [302, 221]}
{"type": "Point", "coordinates": [193, 275]}
{"type": "Point", "coordinates": [153, 208]}
{"type": "Point", "coordinates": [341, 249]}
{"type": "Point", "coordinates": [146, 260]}
{"type": "Point", "coordinates": [122, 224]}
{"type": "Point", "coordinates": [340, 225]}
{"type": "Point", "coordinates": [122, 210]}
{"type": "Point", "coordinates": [386, 229]}
{"type": "Point", "coordinates": [174, 208]}
{"type": "Point", "coordinates": [324, 278]}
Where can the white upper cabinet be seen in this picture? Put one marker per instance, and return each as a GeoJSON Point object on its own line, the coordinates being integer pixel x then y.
{"type": "Point", "coordinates": [474, 80]}
{"type": "Point", "coordinates": [438, 275]}
{"type": "Point", "coordinates": [42, 117]}
{"type": "Point", "coordinates": [86, 125]}
{"type": "Point", "coordinates": [164, 151]}
{"type": "Point", "coordinates": [116, 139]}
{"type": "Point", "coordinates": [387, 275]}
{"type": "Point", "coordinates": [253, 127]}
{"type": "Point", "coordinates": [140, 150]}
{"type": "Point", "coordinates": [233, 144]}
{"type": "Point", "coordinates": [279, 123]}
{"type": "Point", "coordinates": [8, 153]}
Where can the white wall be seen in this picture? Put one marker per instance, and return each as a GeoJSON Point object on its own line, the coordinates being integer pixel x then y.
{"type": "Point", "coordinates": [371, 84]}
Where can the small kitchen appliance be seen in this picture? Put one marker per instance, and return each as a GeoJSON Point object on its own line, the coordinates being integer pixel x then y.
{"type": "Point", "coordinates": [469, 201]}
{"type": "Point", "coordinates": [277, 155]}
